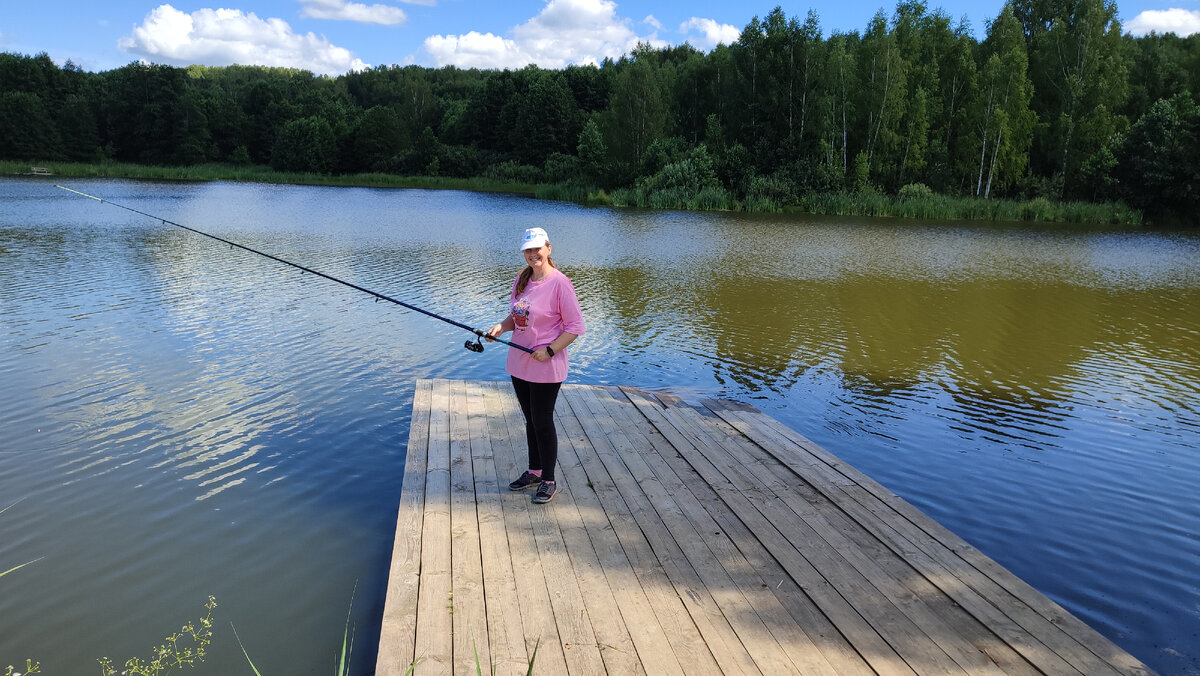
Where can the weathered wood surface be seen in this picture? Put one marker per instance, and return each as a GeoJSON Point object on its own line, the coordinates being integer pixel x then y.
{"type": "Point", "coordinates": [688, 538]}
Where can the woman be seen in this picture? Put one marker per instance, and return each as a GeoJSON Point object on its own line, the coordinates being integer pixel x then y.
{"type": "Point", "coordinates": [544, 317]}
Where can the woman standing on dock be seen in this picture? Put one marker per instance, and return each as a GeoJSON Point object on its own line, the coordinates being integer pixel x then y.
{"type": "Point", "coordinates": [544, 317]}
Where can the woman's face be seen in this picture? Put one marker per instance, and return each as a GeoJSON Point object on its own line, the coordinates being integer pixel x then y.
{"type": "Point", "coordinates": [536, 258]}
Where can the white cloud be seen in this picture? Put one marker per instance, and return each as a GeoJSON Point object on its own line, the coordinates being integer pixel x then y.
{"type": "Point", "coordinates": [222, 37]}
{"type": "Point", "coordinates": [651, 21]}
{"type": "Point", "coordinates": [712, 33]}
{"type": "Point", "coordinates": [1181, 22]}
{"type": "Point", "coordinates": [565, 32]}
{"type": "Point", "coordinates": [475, 50]}
{"type": "Point", "coordinates": [340, 10]}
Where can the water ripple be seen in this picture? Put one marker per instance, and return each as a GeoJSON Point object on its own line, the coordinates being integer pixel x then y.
{"type": "Point", "coordinates": [187, 419]}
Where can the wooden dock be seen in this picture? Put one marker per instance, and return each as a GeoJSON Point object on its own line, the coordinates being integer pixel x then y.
{"type": "Point", "coordinates": [688, 538]}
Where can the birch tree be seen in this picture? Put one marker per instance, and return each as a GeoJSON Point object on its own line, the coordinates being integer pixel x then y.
{"type": "Point", "coordinates": [1079, 70]}
{"type": "Point", "coordinates": [1006, 122]}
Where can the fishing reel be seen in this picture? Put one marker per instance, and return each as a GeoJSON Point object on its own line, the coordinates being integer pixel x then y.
{"type": "Point", "coordinates": [476, 346]}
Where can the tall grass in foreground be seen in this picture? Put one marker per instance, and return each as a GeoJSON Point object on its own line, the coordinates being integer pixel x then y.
{"type": "Point", "coordinates": [341, 666]}
{"type": "Point", "coordinates": [31, 667]}
{"type": "Point", "coordinates": [19, 566]}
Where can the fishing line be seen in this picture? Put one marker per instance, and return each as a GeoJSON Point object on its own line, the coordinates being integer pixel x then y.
{"type": "Point", "coordinates": [476, 346]}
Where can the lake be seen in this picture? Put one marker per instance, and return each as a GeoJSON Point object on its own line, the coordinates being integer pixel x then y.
{"type": "Point", "coordinates": [179, 418]}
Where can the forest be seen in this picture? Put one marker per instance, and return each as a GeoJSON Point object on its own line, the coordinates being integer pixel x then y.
{"type": "Point", "coordinates": [1053, 103]}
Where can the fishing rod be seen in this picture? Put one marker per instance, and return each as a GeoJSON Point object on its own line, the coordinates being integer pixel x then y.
{"type": "Point", "coordinates": [476, 346]}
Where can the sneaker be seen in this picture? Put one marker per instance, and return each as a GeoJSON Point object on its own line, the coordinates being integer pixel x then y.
{"type": "Point", "coordinates": [524, 481]}
{"type": "Point", "coordinates": [545, 492]}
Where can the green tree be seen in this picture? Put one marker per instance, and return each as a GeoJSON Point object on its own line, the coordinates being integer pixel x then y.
{"type": "Point", "coordinates": [546, 118]}
{"type": "Point", "coordinates": [842, 82]}
{"type": "Point", "coordinates": [1157, 164]}
{"type": "Point", "coordinates": [1006, 121]}
{"type": "Point", "coordinates": [953, 157]}
{"type": "Point", "coordinates": [78, 129]}
{"type": "Point", "coordinates": [882, 84]}
{"type": "Point", "coordinates": [381, 135]}
{"type": "Point", "coordinates": [307, 145]}
{"type": "Point", "coordinates": [1078, 67]}
{"type": "Point", "coordinates": [636, 114]}
{"type": "Point", "coordinates": [915, 137]}
{"type": "Point", "coordinates": [426, 152]}
{"type": "Point", "coordinates": [26, 129]}
{"type": "Point", "coordinates": [593, 154]}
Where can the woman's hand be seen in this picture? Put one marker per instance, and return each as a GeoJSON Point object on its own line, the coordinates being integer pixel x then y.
{"type": "Point", "coordinates": [540, 354]}
{"type": "Point", "coordinates": [494, 332]}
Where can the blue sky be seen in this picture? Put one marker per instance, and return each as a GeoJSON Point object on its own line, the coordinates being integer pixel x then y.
{"type": "Point", "coordinates": [333, 36]}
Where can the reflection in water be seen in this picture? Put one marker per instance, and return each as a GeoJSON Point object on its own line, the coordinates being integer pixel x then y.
{"type": "Point", "coordinates": [185, 420]}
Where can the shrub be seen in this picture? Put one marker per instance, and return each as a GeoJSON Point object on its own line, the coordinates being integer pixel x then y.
{"type": "Point", "coordinates": [915, 191]}
{"type": "Point", "coordinates": [599, 198]}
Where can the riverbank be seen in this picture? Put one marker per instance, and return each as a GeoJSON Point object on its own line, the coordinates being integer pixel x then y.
{"type": "Point", "coordinates": [920, 204]}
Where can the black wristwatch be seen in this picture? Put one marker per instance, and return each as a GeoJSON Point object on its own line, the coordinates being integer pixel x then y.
{"type": "Point", "coordinates": [549, 350]}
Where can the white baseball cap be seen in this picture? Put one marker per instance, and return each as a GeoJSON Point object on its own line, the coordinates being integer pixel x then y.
{"type": "Point", "coordinates": [534, 238]}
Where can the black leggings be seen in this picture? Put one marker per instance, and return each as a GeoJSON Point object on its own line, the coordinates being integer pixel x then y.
{"type": "Point", "coordinates": [537, 403]}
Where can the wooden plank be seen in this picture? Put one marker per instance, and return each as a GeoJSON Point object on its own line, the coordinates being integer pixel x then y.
{"type": "Point", "coordinates": [722, 640]}
{"type": "Point", "coordinates": [467, 595]}
{"type": "Point", "coordinates": [613, 639]}
{"type": "Point", "coordinates": [923, 603]}
{"type": "Point", "coordinates": [652, 650]}
{"type": "Point", "coordinates": [505, 633]}
{"type": "Point", "coordinates": [825, 636]}
{"type": "Point", "coordinates": [703, 541]}
{"type": "Point", "coordinates": [397, 635]}
{"type": "Point", "coordinates": [991, 619]}
{"type": "Point", "coordinates": [434, 649]}
{"type": "Point", "coordinates": [713, 537]}
{"type": "Point", "coordinates": [579, 644]}
{"type": "Point", "coordinates": [837, 604]}
{"type": "Point", "coordinates": [664, 605]}
{"type": "Point", "coordinates": [923, 637]}
{"type": "Point", "coordinates": [533, 599]}
{"type": "Point", "coordinates": [1067, 636]}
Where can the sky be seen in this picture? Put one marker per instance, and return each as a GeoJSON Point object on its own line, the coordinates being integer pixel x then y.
{"type": "Point", "coordinates": [332, 37]}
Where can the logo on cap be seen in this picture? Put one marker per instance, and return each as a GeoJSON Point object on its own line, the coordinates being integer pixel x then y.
{"type": "Point", "coordinates": [534, 238]}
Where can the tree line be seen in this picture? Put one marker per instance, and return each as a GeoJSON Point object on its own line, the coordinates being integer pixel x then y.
{"type": "Point", "coordinates": [1053, 102]}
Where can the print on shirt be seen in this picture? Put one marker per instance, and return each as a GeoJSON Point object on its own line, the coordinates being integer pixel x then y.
{"type": "Point", "coordinates": [520, 313]}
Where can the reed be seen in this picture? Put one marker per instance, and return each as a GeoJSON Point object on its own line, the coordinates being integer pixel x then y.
{"type": "Point", "coordinates": [261, 174]}
{"type": "Point", "coordinates": [946, 207]}
{"type": "Point", "coordinates": [31, 667]}
{"type": "Point", "coordinates": [18, 567]}
{"type": "Point", "coordinates": [342, 666]}
{"type": "Point", "coordinates": [911, 203]}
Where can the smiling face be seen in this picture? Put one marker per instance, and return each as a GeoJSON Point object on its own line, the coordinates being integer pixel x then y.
{"type": "Point", "coordinates": [538, 260]}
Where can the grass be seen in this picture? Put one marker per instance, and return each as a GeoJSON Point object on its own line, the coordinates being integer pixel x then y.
{"type": "Point", "coordinates": [171, 654]}
{"type": "Point", "coordinates": [867, 203]}
{"type": "Point", "coordinates": [31, 667]}
{"type": "Point", "coordinates": [341, 664]}
{"type": "Point", "coordinates": [261, 174]}
{"type": "Point", "coordinates": [946, 207]}
{"type": "Point", "coordinates": [17, 567]}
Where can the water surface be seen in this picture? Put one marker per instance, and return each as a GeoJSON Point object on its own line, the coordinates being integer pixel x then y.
{"type": "Point", "coordinates": [179, 419]}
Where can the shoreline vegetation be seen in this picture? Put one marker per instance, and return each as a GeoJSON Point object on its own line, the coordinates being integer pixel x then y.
{"type": "Point", "coordinates": [1053, 113]}
{"type": "Point", "coordinates": [914, 201]}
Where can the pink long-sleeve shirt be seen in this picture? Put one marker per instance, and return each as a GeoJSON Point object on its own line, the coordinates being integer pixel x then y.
{"type": "Point", "coordinates": [540, 314]}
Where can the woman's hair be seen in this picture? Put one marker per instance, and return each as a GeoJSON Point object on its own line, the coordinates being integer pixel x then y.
{"type": "Point", "coordinates": [527, 273]}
